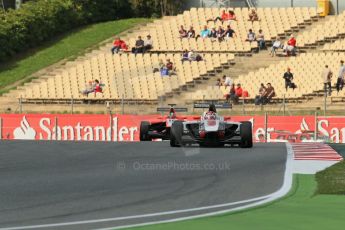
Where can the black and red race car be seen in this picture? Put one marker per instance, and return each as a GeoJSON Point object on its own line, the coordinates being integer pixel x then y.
{"type": "Point", "coordinates": [160, 127]}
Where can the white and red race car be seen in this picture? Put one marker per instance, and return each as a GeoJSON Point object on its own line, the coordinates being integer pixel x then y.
{"type": "Point", "coordinates": [211, 130]}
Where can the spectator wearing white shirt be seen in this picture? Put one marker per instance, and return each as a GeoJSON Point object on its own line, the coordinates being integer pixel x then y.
{"type": "Point", "coordinates": [260, 38]}
{"type": "Point", "coordinates": [276, 45]}
{"type": "Point", "coordinates": [148, 43]}
{"type": "Point", "coordinates": [341, 73]}
{"type": "Point", "coordinates": [251, 36]}
{"type": "Point", "coordinates": [227, 81]}
{"type": "Point", "coordinates": [194, 56]}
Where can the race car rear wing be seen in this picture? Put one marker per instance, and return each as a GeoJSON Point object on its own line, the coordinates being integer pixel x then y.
{"type": "Point", "coordinates": [218, 105]}
{"type": "Point", "coordinates": [167, 109]}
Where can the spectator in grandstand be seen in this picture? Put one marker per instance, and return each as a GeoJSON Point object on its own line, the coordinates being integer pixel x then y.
{"type": "Point", "coordinates": [220, 34]}
{"type": "Point", "coordinates": [238, 94]}
{"type": "Point", "coordinates": [93, 87]}
{"type": "Point", "coordinates": [290, 48]}
{"type": "Point", "coordinates": [185, 56]}
{"type": "Point", "coordinates": [139, 46]}
{"type": "Point", "coordinates": [219, 82]}
{"type": "Point", "coordinates": [182, 32]}
{"type": "Point", "coordinates": [170, 67]}
{"type": "Point", "coordinates": [226, 81]}
{"type": "Point", "coordinates": [231, 16]}
{"type": "Point", "coordinates": [341, 75]}
{"type": "Point", "coordinates": [260, 38]}
{"type": "Point", "coordinates": [229, 33]}
{"type": "Point", "coordinates": [191, 32]}
{"type": "Point", "coordinates": [327, 76]}
{"type": "Point", "coordinates": [205, 33]}
{"type": "Point", "coordinates": [269, 94]}
{"type": "Point", "coordinates": [288, 77]}
{"type": "Point", "coordinates": [118, 45]}
{"type": "Point", "coordinates": [239, 90]}
{"type": "Point", "coordinates": [213, 34]}
{"type": "Point", "coordinates": [232, 94]}
{"type": "Point", "coordinates": [163, 69]}
{"type": "Point", "coordinates": [223, 17]}
{"type": "Point", "coordinates": [251, 36]}
{"type": "Point", "coordinates": [194, 56]}
{"type": "Point", "coordinates": [253, 16]}
{"type": "Point", "coordinates": [262, 89]}
{"type": "Point", "coordinates": [259, 98]}
{"type": "Point", "coordinates": [148, 44]}
{"type": "Point", "coordinates": [276, 45]}
{"type": "Point", "coordinates": [161, 66]}
{"type": "Point", "coordinates": [89, 88]}
{"type": "Point", "coordinates": [98, 87]}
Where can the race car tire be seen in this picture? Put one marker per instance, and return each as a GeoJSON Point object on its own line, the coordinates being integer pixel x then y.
{"type": "Point", "coordinates": [176, 134]}
{"type": "Point", "coordinates": [246, 134]}
{"type": "Point", "coordinates": [144, 130]}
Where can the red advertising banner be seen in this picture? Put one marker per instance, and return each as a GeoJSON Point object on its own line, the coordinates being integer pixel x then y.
{"type": "Point", "coordinates": [126, 127]}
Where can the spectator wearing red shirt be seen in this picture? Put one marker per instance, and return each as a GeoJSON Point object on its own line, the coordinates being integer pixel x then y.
{"type": "Point", "coordinates": [124, 46]}
{"type": "Point", "coordinates": [290, 48]}
{"type": "Point", "coordinates": [117, 45]}
{"type": "Point", "coordinates": [98, 87]}
{"type": "Point", "coordinates": [223, 17]}
{"type": "Point", "coordinates": [239, 90]}
{"type": "Point", "coordinates": [237, 94]}
{"type": "Point", "coordinates": [231, 16]}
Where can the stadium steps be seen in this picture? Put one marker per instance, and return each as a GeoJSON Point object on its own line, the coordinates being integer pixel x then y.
{"type": "Point", "coordinates": [242, 65]}
{"type": "Point", "coordinates": [317, 46]}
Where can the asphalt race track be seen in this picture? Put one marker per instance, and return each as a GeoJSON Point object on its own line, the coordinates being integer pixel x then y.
{"type": "Point", "coordinates": [57, 183]}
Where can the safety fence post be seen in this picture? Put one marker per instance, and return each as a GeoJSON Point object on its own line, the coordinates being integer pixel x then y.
{"type": "Point", "coordinates": [266, 126]}
{"type": "Point", "coordinates": [316, 126]}
{"type": "Point", "coordinates": [325, 103]}
{"type": "Point", "coordinates": [72, 105]}
{"type": "Point", "coordinates": [243, 107]}
{"type": "Point", "coordinates": [21, 104]}
{"type": "Point", "coordinates": [284, 108]}
{"type": "Point", "coordinates": [122, 104]}
{"type": "Point", "coordinates": [56, 128]}
{"type": "Point", "coordinates": [111, 126]}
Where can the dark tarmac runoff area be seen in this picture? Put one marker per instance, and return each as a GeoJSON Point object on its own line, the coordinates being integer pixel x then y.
{"type": "Point", "coordinates": [92, 185]}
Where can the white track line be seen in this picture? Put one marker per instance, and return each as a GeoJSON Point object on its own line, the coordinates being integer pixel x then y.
{"type": "Point", "coordinates": [274, 196]}
{"type": "Point", "coordinates": [258, 201]}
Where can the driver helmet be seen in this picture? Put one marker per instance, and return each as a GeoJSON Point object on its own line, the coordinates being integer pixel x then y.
{"type": "Point", "coordinates": [172, 113]}
{"type": "Point", "coordinates": [212, 108]}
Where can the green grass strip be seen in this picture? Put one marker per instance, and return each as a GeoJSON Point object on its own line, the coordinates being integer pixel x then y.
{"type": "Point", "coordinates": [68, 46]}
{"type": "Point", "coordinates": [300, 209]}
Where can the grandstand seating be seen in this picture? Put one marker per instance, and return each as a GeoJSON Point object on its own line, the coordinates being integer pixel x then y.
{"type": "Point", "coordinates": [338, 45]}
{"type": "Point", "coordinates": [326, 31]}
{"type": "Point", "coordinates": [125, 75]}
{"type": "Point", "coordinates": [307, 70]}
{"type": "Point", "coordinates": [131, 77]}
{"type": "Point", "coordinates": [273, 21]}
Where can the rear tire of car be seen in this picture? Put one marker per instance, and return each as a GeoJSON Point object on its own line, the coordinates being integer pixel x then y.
{"type": "Point", "coordinates": [246, 134]}
{"type": "Point", "coordinates": [176, 134]}
{"type": "Point", "coordinates": [144, 131]}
